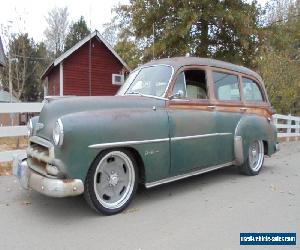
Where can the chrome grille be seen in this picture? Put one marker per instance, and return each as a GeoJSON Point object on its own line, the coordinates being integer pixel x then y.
{"type": "Point", "coordinates": [39, 154]}
{"type": "Point", "coordinates": [36, 165]}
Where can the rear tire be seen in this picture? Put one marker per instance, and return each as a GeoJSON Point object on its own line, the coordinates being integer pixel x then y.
{"type": "Point", "coordinates": [255, 159]}
{"type": "Point", "coordinates": [111, 181]}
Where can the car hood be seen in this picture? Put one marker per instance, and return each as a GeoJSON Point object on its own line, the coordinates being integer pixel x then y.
{"type": "Point", "coordinates": [57, 108]}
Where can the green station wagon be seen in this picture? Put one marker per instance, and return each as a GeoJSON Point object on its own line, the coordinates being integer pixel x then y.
{"type": "Point", "coordinates": [172, 118]}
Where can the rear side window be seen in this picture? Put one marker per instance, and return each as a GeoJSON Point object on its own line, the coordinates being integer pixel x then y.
{"type": "Point", "coordinates": [226, 87]}
{"type": "Point", "coordinates": [251, 90]}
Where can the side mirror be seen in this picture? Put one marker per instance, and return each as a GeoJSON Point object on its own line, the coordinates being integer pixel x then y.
{"type": "Point", "coordinates": [178, 95]}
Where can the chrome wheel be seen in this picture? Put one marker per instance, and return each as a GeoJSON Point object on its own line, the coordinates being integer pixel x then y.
{"type": "Point", "coordinates": [256, 155]}
{"type": "Point", "coordinates": [114, 180]}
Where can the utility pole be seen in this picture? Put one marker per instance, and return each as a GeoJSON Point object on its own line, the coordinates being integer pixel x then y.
{"type": "Point", "coordinates": [10, 85]}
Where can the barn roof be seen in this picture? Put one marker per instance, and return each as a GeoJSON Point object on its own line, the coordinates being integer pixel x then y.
{"type": "Point", "coordinates": [2, 57]}
{"type": "Point", "coordinates": [78, 45]}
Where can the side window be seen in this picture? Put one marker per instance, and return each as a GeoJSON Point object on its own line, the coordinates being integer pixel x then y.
{"type": "Point", "coordinates": [251, 90]}
{"type": "Point", "coordinates": [226, 87]}
{"type": "Point", "coordinates": [192, 83]}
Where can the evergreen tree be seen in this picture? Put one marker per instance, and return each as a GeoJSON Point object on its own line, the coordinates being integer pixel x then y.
{"type": "Point", "coordinates": [28, 60]}
{"type": "Point", "coordinates": [77, 31]}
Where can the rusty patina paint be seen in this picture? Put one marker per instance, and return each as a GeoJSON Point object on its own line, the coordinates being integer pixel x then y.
{"type": "Point", "coordinates": [94, 120]}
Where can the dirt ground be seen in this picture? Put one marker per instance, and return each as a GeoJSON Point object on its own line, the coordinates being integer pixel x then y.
{"type": "Point", "coordinates": [5, 168]}
{"type": "Point", "coordinates": [10, 143]}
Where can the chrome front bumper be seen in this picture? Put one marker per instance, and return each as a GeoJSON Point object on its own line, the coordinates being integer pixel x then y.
{"type": "Point", "coordinates": [53, 187]}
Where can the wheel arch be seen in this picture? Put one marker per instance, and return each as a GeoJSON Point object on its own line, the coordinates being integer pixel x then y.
{"type": "Point", "coordinates": [135, 154]}
{"type": "Point", "coordinates": [96, 199]}
{"type": "Point", "coordinates": [248, 129]}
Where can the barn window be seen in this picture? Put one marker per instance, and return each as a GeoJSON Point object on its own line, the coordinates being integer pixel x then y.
{"type": "Point", "coordinates": [117, 79]}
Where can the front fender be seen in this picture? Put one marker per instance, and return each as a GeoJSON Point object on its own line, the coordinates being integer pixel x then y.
{"type": "Point", "coordinates": [250, 128]}
{"type": "Point", "coordinates": [83, 129]}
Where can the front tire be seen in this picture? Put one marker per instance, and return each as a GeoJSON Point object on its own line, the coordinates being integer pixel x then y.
{"type": "Point", "coordinates": [255, 159]}
{"type": "Point", "coordinates": [111, 181]}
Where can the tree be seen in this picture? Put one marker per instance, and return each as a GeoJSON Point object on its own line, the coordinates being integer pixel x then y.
{"type": "Point", "coordinates": [111, 32]}
{"type": "Point", "coordinates": [117, 34]}
{"type": "Point", "coordinates": [279, 55]}
{"type": "Point", "coordinates": [77, 31]}
{"type": "Point", "coordinates": [129, 52]}
{"type": "Point", "coordinates": [225, 30]}
{"type": "Point", "coordinates": [34, 89]}
{"type": "Point", "coordinates": [56, 31]}
{"type": "Point", "coordinates": [28, 61]}
{"type": "Point", "coordinates": [282, 78]}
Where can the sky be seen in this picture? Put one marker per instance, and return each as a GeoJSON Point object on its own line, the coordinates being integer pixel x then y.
{"type": "Point", "coordinates": [33, 13]}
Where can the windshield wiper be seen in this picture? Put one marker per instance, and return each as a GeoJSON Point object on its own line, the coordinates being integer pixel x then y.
{"type": "Point", "coordinates": [145, 95]}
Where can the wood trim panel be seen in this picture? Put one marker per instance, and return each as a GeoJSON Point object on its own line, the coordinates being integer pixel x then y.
{"type": "Point", "coordinates": [261, 111]}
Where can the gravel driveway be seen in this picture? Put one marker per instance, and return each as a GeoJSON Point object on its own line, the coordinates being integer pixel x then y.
{"type": "Point", "coordinates": [202, 212]}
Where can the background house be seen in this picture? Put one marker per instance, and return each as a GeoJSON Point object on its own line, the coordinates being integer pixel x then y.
{"type": "Point", "coordinates": [8, 119]}
{"type": "Point", "coordinates": [88, 68]}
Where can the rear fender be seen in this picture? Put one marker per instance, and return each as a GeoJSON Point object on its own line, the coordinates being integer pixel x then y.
{"type": "Point", "coordinates": [249, 129]}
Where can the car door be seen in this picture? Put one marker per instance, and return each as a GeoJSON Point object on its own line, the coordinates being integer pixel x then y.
{"type": "Point", "coordinates": [192, 122]}
{"type": "Point", "coordinates": [227, 99]}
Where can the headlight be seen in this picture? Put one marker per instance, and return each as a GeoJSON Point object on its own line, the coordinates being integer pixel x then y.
{"type": "Point", "coordinates": [58, 133]}
{"type": "Point", "coordinates": [29, 128]}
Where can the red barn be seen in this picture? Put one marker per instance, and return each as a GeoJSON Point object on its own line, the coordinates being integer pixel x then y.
{"type": "Point", "coordinates": [91, 67]}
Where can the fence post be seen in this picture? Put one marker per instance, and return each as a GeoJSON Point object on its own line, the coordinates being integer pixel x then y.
{"type": "Point", "coordinates": [297, 131]}
{"type": "Point", "coordinates": [289, 129]}
{"type": "Point", "coordinates": [275, 120]}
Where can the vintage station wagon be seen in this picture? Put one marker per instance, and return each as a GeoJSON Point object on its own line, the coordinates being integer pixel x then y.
{"type": "Point", "coordinates": [173, 118]}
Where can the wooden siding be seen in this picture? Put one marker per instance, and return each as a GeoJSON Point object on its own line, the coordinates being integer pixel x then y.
{"type": "Point", "coordinates": [76, 71]}
{"type": "Point", "coordinates": [53, 82]}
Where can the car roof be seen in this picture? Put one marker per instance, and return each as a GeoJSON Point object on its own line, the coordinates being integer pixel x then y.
{"type": "Point", "coordinates": [178, 62]}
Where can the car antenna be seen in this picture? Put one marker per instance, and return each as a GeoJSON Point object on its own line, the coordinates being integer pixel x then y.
{"type": "Point", "coordinates": [153, 42]}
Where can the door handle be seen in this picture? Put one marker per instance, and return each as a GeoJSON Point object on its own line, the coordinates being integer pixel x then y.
{"type": "Point", "coordinates": [211, 107]}
{"type": "Point", "coordinates": [243, 109]}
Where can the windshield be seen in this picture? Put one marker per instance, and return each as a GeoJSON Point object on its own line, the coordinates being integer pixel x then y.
{"type": "Point", "coordinates": [151, 80]}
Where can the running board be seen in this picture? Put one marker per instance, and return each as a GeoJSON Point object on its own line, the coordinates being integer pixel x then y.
{"type": "Point", "coordinates": [182, 176]}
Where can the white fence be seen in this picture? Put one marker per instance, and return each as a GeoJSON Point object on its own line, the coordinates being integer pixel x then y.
{"type": "Point", "coordinates": [9, 108]}
{"type": "Point", "coordinates": [287, 126]}
{"type": "Point", "coordinates": [13, 131]}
